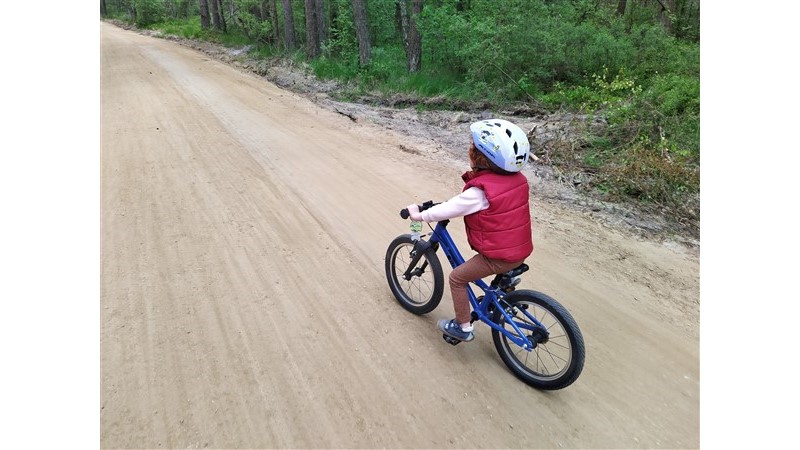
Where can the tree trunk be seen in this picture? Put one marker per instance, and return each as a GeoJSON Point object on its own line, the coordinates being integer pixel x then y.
{"type": "Point", "coordinates": [215, 14]}
{"type": "Point", "coordinates": [666, 9]}
{"type": "Point", "coordinates": [312, 35]}
{"type": "Point", "coordinates": [205, 22]}
{"type": "Point", "coordinates": [258, 12]}
{"type": "Point", "coordinates": [362, 31]}
{"type": "Point", "coordinates": [276, 22]}
{"type": "Point", "coordinates": [322, 24]}
{"type": "Point", "coordinates": [264, 14]}
{"type": "Point", "coordinates": [621, 5]}
{"type": "Point", "coordinates": [222, 24]}
{"type": "Point", "coordinates": [288, 21]}
{"type": "Point", "coordinates": [411, 36]}
{"type": "Point", "coordinates": [415, 39]}
{"type": "Point", "coordinates": [183, 9]}
{"type": "Point", "coordinates": [103, 9]}
{"type": "Point", "coordinates": [398, 18]}
{"type": "Point", "coordinates": [270, 10]}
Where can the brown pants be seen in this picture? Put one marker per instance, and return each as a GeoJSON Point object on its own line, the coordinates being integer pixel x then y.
{"type": "Point", "coordinates": [473, 269]}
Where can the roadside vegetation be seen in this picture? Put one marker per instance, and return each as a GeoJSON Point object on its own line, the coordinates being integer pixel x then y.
{"type": "Point", "coordinates": [632, 66]}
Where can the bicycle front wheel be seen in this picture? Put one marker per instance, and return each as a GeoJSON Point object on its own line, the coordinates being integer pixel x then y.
{"type": "Point", "coordinates": [421, 291]}
{"type": "Point", "coordinates": [557, 360]}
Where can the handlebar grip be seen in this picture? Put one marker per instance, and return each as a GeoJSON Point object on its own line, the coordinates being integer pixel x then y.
{"type": "Point", "coordinates": [405, 214]}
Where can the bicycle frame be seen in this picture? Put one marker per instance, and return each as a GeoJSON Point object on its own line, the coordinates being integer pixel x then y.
{"type": "Point", "coordinates": [492, 296]}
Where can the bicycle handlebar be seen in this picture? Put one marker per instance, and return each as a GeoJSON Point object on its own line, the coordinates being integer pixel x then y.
{"type": "Point", "coordinates": [405, 214]}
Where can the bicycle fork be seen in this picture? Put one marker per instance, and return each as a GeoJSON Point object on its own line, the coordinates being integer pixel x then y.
{"type": "Point", "coordinates": [420, 248]}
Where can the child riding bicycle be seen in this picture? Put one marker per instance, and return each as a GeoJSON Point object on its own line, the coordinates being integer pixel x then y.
{"type": "Point", "coordinates": [494, 204]}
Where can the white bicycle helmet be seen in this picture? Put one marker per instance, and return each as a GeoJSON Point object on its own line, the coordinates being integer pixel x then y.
{"type": "Point", "coordinates": [504, 143]}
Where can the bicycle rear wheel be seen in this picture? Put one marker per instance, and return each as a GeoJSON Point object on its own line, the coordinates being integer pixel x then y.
{"type": "Point", "coordinates": [422, 291]}
{"type": "Point", "coordinates": [557, 360]}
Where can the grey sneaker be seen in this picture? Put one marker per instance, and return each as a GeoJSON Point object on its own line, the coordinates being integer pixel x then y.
{"type": "Point", "coordinates": [453, 329]}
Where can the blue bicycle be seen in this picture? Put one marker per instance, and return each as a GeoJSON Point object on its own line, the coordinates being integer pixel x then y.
{"type": "Point", "coordinates": [536, 336]}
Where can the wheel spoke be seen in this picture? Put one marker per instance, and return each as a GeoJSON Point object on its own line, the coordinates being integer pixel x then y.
{"type": "Point", "coordinates": [427, 284]}
{"type": "Point", "coordinates": [544, 316]}
{"type": "Point", "coordinates": [418, 288]}
{"type": "Point", "coordinates": [551, 358]}
{"type": "Point", "coordinates": [538, 360]}
{"type": "Point", "coordinates": [565, 347]}
{"type": "Point", "coordinates": [520, 351]}
{"type": "Point", "coordinates": [552, 355]}
{"type": "Point", "coordinates": [420, 292]}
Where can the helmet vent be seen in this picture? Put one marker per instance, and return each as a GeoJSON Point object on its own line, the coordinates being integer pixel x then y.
{"type": "Point", "coordinates": [516, 148]}
{"type": "Point", "coordinates": [508, 132]}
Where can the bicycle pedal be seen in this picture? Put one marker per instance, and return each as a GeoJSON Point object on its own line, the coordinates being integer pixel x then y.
{"type": "Point", "coordinates": [450, 340]}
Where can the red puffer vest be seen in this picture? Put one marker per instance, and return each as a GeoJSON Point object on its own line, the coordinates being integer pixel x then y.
{"type": "Point", "coordinates": [503, 230]}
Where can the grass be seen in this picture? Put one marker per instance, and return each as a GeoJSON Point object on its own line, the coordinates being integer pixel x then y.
{"type": "Point", "coordinates": [191, 29]}
{"type": "Point", "coordinates": [188, 29]}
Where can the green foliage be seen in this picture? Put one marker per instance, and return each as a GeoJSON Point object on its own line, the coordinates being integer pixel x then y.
{"type": "Point", "coordinates": [644, 172]}
{"type": "Point", "coordinates": [235, 37]}
{"type": "Point", "coordinates": [650, 148]}
{"type": "Point", "coordinates": [536, 42]}
{"type": "Point", "coordinates": [382, 26]}
{"type": "Point", "coordinates": [188, 28]}
{"type": "Point", "coordinates": [685, 17]}
{"type": "Point", "coordinates": [672, 108]}
{"type": "Point", "coordinates": [677, 94]}
{"type": "Point", "coordinates": [612, 95]}
{"type": "Point", "coordinates": [251, 26]}
{"type": "Point", "coordinates": [343, 43]}
{"type": "Point", "coordinates": [448, 29]}
{"type": "Point", "coordinates": [264, 52]}
{"type": "Point", "coordinates": [149, 12]}
{"type": "Point", "coordinates": [387, 71]}
{"type": "Point", "coordinates": [430, 84]}
{"type": "Point", "coordinates": [326, 67]}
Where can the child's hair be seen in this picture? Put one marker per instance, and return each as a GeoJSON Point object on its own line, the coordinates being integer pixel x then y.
{"type": "Point", "coordinates": [480, 161]}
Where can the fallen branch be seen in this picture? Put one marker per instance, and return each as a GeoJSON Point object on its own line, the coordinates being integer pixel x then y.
{"type": "Point", "coordinates": [352, 117]}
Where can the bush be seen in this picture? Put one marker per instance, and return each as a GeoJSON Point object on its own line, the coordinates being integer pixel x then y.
{"type": "Point", "coordinates": [251, 26]}
{"type": "Point", "coordinates": [189, 29]}
{"type": "Point", "coordinates": [647, 173]}
{"type": "Point", "coordinates": [149, 12]}
{"type": "Point", "coordinates": [673, 106]}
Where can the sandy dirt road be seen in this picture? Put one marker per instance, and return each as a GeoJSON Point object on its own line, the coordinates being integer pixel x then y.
{"type": "Point", "coordinates": [244, 304]}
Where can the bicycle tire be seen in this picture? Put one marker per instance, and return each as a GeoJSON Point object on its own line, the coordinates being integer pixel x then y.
{"type": "Point", "coordinates": [565, 342]}
{"type": "Point", "coordinates": [418, 295]}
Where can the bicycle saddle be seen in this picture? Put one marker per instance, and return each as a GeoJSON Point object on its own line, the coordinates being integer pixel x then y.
{"type": "Point", "coordinates": [508, 280]}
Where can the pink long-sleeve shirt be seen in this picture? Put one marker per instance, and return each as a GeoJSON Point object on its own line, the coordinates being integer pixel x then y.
{"type": "Point", "coordinates": [468, 202]}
